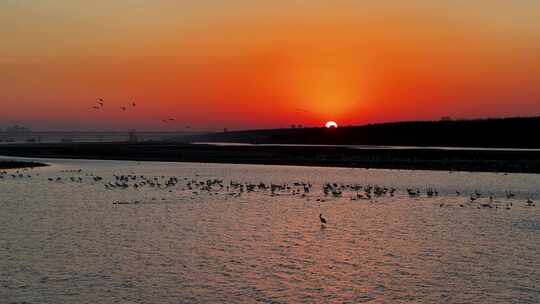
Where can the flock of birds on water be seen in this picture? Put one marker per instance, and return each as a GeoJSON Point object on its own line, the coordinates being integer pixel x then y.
{"type": "Point", "coordinates": [213, 186]}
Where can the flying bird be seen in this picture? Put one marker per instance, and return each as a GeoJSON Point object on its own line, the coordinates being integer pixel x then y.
{"type": "Point", "coordinates": [323, 220]}
{"type": "Point", "coordinates": [133, 104]}
{"type": "Point", "coordinates": [123, 108]}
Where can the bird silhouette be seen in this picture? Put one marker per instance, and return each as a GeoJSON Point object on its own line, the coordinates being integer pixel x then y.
{"type": "Point", "coordinates": [123, 108]}
{"type": "Point", "coordinates": [323, 220]}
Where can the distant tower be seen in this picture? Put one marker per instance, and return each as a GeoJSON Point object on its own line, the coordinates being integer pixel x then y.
{"type": "Point", "coordinates": [132, 136]}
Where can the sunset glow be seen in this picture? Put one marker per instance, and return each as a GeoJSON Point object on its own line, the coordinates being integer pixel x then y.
{"type": "Point", "coordinates": [242, 64]}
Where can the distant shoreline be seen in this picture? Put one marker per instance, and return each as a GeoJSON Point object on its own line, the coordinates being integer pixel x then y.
{"type": "Point", "coordinates": [506, 133]}
{"type": "Point", "coordinates": [14, 164]}
{"type": "Point", "coordinates": [411, 159]}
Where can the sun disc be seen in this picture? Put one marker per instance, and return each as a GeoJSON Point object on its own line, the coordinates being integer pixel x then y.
{"type": "Point", "coordinates": [331, 124]}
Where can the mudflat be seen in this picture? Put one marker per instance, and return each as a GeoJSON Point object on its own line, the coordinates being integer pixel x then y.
{"type": "Point", "coordinates": [8, 164]}
{"type": "Point", "coordinates": [414, 159]}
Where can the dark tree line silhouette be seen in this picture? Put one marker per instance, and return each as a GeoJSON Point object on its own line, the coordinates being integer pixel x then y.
{"type": "Point", "coordinates": [519, 132]}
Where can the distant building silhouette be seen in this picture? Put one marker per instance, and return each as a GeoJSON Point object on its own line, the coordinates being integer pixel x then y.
{"type": "Point", "coordinates": [16, 129]}
{"type": "Point", "coordinates": [133, 136]}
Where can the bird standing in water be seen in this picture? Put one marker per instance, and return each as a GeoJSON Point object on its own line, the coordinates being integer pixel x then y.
{"type": "Point", "coordinates": [323, 220]}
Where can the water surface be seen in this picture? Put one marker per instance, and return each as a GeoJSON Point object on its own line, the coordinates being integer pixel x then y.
{"type": "Point", "coordinates": [72, 240]}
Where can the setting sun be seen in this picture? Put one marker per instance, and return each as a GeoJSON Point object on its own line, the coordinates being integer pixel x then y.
{"type": "Point", "coordinates": [331, 124]}
{"type": "Point", "coordinates": [182, 138]}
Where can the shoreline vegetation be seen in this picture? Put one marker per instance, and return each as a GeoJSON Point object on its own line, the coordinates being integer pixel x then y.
{"type": "Point", "coordinates": [510, 161]}
{"type": "Point", "coordinates": [15, 164]}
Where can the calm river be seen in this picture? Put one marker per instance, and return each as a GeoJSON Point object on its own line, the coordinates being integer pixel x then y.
{"type": "Point", "coordinates": [128, 232]}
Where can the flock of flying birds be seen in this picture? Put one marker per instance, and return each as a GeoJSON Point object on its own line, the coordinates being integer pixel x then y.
{"type": "Point", "coordinates": [100, 106]}
{"type": "Point", "coordinates": [328, 192]}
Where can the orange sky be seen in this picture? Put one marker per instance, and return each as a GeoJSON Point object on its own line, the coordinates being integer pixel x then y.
{"type": "Point", "coordinates": [245, 64]}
